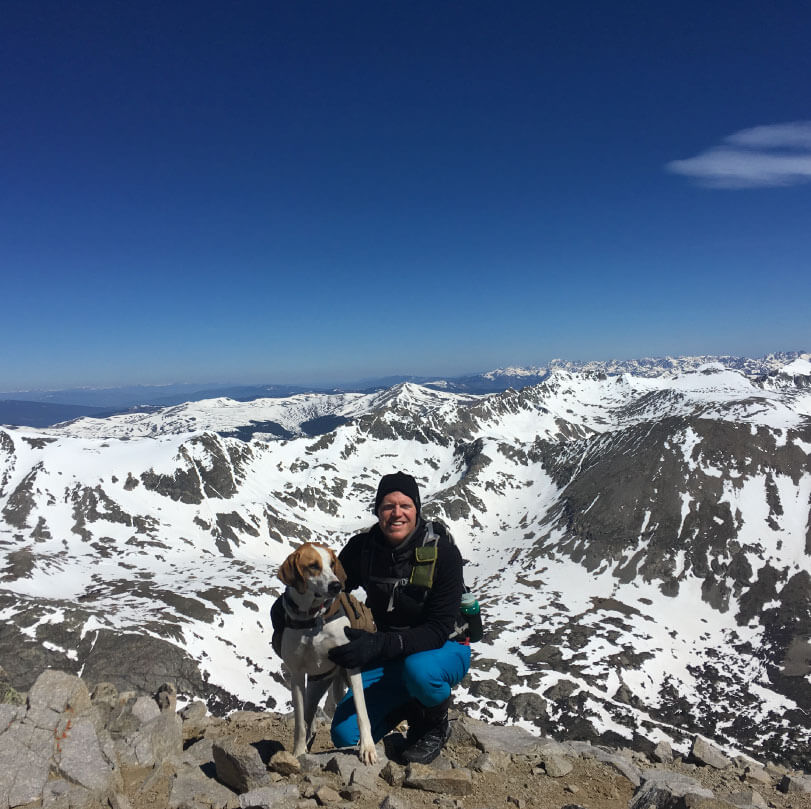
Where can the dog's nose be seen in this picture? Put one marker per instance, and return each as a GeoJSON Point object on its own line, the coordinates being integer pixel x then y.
{"type": "Point", "coordinates": [334, 588]}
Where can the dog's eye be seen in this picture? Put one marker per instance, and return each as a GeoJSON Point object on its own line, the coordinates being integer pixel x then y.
{"type": "Point", "coordinates": [314, 567]}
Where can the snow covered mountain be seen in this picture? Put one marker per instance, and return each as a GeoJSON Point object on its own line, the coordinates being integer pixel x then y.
{"type": "Point", "coordinates": [42, 408]}
{"type": "Point", "coordinates": [640, 543]}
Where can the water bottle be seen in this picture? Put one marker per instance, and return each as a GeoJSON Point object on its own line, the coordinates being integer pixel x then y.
{"type": "Point", "coordinates": [472, 612]}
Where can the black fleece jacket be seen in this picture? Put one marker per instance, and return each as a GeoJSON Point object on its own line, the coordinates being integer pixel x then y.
{"type": "Point", "coordinates": [413, 624]}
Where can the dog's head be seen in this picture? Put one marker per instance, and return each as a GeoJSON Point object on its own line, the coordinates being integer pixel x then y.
{"type": "Point", "coordinates": [315, 568]}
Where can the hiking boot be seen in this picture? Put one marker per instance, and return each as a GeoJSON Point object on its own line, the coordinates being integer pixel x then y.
{"type": "Point", "coordinates": [428, 735]}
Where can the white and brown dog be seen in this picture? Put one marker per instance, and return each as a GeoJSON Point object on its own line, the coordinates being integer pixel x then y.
{"type": "Point", "coordinates": [314, 623]}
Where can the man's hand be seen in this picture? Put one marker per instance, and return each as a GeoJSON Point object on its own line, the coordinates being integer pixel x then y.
{"type": "Point", "coordinates": [363, 648]}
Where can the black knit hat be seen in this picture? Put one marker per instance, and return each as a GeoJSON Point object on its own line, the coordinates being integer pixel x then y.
{"type": "Point", "coordinates": [398, 482]}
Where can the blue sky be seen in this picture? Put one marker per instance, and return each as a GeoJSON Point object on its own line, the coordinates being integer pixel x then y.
{"type": "Point", "coordinates": [322, 191]}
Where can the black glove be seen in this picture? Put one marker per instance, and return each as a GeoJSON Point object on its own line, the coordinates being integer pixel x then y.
{"type": "Point", "coordinates": [363, 648]}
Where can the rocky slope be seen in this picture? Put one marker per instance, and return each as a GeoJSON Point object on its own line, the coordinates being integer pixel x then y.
{"type": "Point", "coordinates": [69, 746]}
{"type": "Point", "coordinates": [640, 545]}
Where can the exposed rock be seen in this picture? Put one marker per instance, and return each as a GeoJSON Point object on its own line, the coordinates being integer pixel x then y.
{"type": "Point", "coordinates": [662, 789]}
{"type": "Point", "coordinates": [326, 795]}
{"type": "Point", "coordinates": [446, 782]}
{"type": "Point", "coordinates": [239, 765]}
{"type": "Point", "coordinates": [527, 705]}
{"type": "Point", "coordinates": [556, 765]}
{"type": "Point", "coordinates": [284, 763]}
{"type": "Point", "coordinates": [145, 708]}
{"type": "Point", "coordinates": [490, 738]}
{"type": "Point", "coordinates": [156, 740]}
{"type": "Point", "coordinates": [269, 797]}
{"type": "Point", "coordinates": [55, 733]}
{"type": "Point", "coordinates": [192, 789]}
{"type": "Point", "coordinates": [744, 799]}
{"type": "Point", "coordinates": [756, 774]}
{"type": "Point", "coordinates": [394, 802]}
{"type": "Point", "coordinates": [393, 774]}
{"type": "Point", "coordinates": [494, 761]}
{"type": "Point", "coordinates": [794, 783]}
{"type": "Point", "coordinates": [705, 753]}
{"type": "Point", "coordinates": [106, 765]}
{"type": "Point", "coordinates": [663, 753]}
{"type": "Point", "coordinates": [166, 698]}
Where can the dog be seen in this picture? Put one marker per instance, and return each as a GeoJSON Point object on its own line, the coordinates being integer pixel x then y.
{"type": "Point", "coordinates": [314, 623]}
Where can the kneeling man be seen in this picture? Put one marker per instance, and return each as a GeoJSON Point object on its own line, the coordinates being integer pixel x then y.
{"type": "Point", "coordinates": [412, 574]}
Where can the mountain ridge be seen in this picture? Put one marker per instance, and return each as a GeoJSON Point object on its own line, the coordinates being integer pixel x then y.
{"type": "Point", "coordinates": [45, 408]}
{"type": "Point", "coordinates": [592, 509]}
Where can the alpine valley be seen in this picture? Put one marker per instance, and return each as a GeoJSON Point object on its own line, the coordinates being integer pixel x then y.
{"type": "Point", "coordinates": [639, 542]}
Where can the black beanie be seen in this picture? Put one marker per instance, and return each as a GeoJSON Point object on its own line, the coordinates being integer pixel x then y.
{"type": "Point", "coordinates": [398, 482]}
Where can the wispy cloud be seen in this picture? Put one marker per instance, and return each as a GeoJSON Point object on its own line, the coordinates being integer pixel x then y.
{"type": "Point", "coordinates": [763, 156]}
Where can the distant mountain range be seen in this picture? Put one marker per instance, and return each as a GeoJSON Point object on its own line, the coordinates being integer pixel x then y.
{"type": "Point", "coordinates": [640, 543]}
{"type": "Point", "coordinates": [45, 408]}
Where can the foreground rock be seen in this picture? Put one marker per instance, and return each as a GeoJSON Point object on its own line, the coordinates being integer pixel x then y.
{"type": "Point", "coordinates": [65, 747]}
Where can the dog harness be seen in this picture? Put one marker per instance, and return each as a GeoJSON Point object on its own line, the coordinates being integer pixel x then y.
{"type": "Point", "coordinates": [284, 613]}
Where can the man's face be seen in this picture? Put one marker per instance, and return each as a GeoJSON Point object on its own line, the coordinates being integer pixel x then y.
{"type": "Point", "coordinates": [397, 516]}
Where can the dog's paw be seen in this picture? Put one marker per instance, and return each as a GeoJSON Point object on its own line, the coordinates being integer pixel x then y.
{"type": "Point", "coordinates": [368, 754]}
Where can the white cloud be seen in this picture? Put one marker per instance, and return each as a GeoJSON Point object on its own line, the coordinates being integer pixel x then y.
{"type": "Point", "coordinates": [763, 156]}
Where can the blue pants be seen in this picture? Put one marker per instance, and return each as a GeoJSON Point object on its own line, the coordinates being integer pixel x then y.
{"type": "Point", "coordinates": [425, 676]}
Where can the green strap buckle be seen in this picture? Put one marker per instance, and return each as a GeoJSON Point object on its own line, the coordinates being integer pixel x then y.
{"type": "Point", "coordinates": [422, 574]}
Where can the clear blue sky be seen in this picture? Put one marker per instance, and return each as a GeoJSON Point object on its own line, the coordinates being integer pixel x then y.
{"type": "Point", "coordinates": [296, 191]}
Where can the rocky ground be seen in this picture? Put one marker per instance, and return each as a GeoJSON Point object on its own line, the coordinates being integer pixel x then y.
{"type": "Point", "coordinates": [512, 773]}
{"type": "Point", "coordinates": [65, 745]}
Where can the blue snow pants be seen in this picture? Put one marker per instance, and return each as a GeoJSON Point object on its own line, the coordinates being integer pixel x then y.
{"type": "Point", "coordinates": [425, 676]}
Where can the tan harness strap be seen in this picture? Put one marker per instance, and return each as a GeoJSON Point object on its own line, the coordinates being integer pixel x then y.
{"type": "Point", "coordinates": [360, 616]}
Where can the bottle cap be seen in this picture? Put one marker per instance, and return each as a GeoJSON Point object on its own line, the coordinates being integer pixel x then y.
{"type": "Point", "coordinates": [468, 599]}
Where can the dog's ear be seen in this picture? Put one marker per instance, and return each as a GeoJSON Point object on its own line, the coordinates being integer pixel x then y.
{"type": "Point", "coordinates": [339, 569]}
{"type": "Point", "coordinates": [288, 572]}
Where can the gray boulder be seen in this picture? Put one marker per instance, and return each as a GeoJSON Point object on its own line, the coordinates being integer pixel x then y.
{"type": "Point", "coordinates": [556, 765]}
{"type": "Point", "coordinates": [365, 777]}
{"type": "Point", "coordinates": [80, 758]}
{"type": "Point", "coordinates": [166, 698]}
{"type": "Point", "coordinates": [192, 789]}
{"type": "Point", "coordinates": [745, 799]}
{"type": "Point", "coordinates": [794, 783]}
{"type": "Point", "coordinates": [705, 753]}
{"type": "Point", "coordinates": [271, 797]}
{"type": "Point", "coordinates": [61, 794]}
{"type": "Point", "coordinates": [663, 789]}
{"type": "Point", "coordinates": [489, 738]}
{"type": "Point", "coordinates": [445, 782]}
{"type": "Point", "coordinates": [489, 762]}
{"type": "Point", "coordinates": [393, 802]}
{"type": "Point", "coordinates": [284, 763]}
{"type": "Point", "coordinates": [145, 708]}
{"type": "Point", "coordinates": [55, 735]}
{"type": "Point", "coordinates": [755, 774]}
{"type": "Point", "coordinates": [239, 766]}
{"type": "Point", "coordinates": [663, 753]}
{"type": "Point", "coordinates": [158, 739]}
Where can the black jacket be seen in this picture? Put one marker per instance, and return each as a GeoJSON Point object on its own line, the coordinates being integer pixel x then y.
{"type": "Point", "coordinates": [420, 618]}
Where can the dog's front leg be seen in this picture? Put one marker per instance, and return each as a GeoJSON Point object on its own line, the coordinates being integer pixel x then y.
{"type": "Point", "coordinates": [368, 754]}
{"type": "Point", "coordinates": [297, 688]}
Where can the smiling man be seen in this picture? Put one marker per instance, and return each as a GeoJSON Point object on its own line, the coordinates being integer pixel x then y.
{"type": "Point", "coordinates": [412, 574]}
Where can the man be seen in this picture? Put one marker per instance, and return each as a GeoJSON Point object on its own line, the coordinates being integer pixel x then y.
{"type": "Point", "coordinates": [412, 574]}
